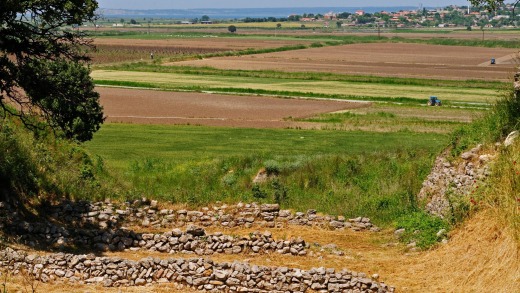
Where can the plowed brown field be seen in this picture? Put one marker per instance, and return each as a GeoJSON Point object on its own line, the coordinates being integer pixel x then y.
{"type": "Point", "coordinates": [111, 50]}
{"type": "Point", "coordinates": [386, 59]}
{"type": "Point", "coordinates": [157, 107]}
{"type": "Point", "coordinates": [200, 42]}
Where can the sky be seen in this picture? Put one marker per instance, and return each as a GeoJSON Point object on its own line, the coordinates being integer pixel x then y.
{"type": "Point", "coordinates": [194, 4]}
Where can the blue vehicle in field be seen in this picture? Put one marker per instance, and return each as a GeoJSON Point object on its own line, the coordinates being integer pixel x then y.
{"type": "Point", "coordinates": [434, 101]}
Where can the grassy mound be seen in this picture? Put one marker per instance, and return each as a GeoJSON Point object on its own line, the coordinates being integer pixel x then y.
{"type": "Point", "coordinates": [41, 167]}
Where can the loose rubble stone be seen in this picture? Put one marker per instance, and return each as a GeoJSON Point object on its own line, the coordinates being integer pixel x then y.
{"type": "Point", "coordinates": [455, 179]}
{"type": "Point", "coordinates": [511, 138]}
{"type": "Point", "coordinates": [197, 273]}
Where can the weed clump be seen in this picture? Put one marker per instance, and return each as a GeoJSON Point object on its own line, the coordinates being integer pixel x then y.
{"type": "Point", "coordinates": [421, 228]}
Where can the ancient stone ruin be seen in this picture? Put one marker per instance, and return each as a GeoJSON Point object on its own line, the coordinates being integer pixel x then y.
{"type": "Point", "coordinates": [106, 226]}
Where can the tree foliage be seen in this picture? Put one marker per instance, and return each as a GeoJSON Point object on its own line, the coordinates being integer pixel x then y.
{"type": "Point", "coordinates": [43, 70]}
{"type": "Point", "coordinates": [490, 5]}
{"type": "Point", "coordinates": [232, 28]}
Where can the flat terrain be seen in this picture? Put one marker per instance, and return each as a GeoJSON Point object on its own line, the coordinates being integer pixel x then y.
{"type": "Point", "coordinates": [301, 87]}
{"type": "Point", "coordinates": [159, 107]}
{"type": "Point", "coordinates": [382, 59]}
{"type": "Point", "coordinates": [208, 42]}
{"type": "Point", "coordinates": [110, 50]}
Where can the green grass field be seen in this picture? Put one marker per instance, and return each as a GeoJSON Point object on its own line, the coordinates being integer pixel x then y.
{"type": "Point", "coordinates": [350, 173]}
{"type": "Point", "coordinates": [368, 161]}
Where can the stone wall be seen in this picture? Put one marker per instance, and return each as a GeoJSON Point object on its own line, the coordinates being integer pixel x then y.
{"type": "Point", "coordinates": [101, 226]}
{"type": "Point", "coordinates": [458, 178]}
{"type": "Point", "coordinates": [198, 273]}
{"type": "Point", "coordinates": [148, 213]}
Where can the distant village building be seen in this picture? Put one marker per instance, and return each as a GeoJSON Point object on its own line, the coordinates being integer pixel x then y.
{"type": "Point", "coordinates": [330, 16]}
{"type": "Point", "coordinates": [360, 12]}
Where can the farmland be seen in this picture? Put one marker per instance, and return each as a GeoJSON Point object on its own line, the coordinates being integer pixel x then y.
{"type": "Point", "coordinates": [123, 105]}
{"type": "Point", "coordinates": [369, 86]}
{"type": "Point", "coordinates": [337, 121]}
{"type": "Point", "coordinates": [384, 59]}
{"type": "Point", "coordinates": [113, 50]}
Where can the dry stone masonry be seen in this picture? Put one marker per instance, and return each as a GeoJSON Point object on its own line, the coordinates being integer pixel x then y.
{"type": "Point", "coordinates": [455, 179]}
{"type": "Point", "coordinates": [193, 240]}
{"type": "Point", "coordinates": [101, 227]}
{"type": "Point", "coordinates": [147, 213]}
{"type": "Point", "coordinates": [197, 273]}
{"type": "Point", "coordinates": [98, 225]}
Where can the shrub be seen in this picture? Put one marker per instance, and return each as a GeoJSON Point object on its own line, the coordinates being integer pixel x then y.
{"type": "Point", "coordinates": [46, 166]}
{"type": "Point", "coordinates": [257, 192]}
{"type": "Point", "coordinates": [232, 29]}
{"type": "Point", "coordinates": [272, 167]}
{"type": "Point", "coordinates": [421, 228]}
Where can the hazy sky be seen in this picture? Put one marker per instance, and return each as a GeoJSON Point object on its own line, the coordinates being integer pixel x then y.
{"type": "Point", "coordinates": [183, 4]}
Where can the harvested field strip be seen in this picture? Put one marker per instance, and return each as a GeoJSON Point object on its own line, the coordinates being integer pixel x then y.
{"type": "Point", "coordinates": [173, 81]}
{"type": "Point", "coordinates": [474, 40]}
{"type": "Point", "coordinates": [392, 116]}
{"type": "Point", "coordinates": [421, 112]}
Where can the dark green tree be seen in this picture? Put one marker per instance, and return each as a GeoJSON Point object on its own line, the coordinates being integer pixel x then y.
{"type": "Point", "coordinates": [490, 5]}
{"type": "Point", "coordinates": [232, 28]}
{"type": "Point", "coordinates": [44, 77]}
{"type": "Point", "coordinates": [204, 18]}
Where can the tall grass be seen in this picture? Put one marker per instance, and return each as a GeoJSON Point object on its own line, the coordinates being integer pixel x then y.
{"type": "Point", "coordinates": [251, 91]}
{"type": "Point", "coordinates": [501, 193]}
{"type": "Point", "coordinates": [344, 173]}
{"type": "Point", "coordinates": [380, 185]}
{"type": "Point", "coordinates": [503, 190]}
{"type": "Point", "coordinates": [45, 166]}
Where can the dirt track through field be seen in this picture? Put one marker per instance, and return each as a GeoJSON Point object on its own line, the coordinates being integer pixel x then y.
{"type": "Point", "coordinates": [158, 107]}
{"type": "Point", "coordinates": [382, 59]}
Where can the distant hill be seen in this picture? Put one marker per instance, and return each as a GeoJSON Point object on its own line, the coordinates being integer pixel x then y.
{"type": "Point", "coordinates": [229, 13]}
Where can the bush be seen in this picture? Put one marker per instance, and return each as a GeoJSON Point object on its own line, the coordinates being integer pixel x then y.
{"type": "Point", "coordinates": [45, 166]}
{"type": "Point", "coordinates": [257, 192]}
{"type": "Point", "coordinates": [272, 167]}
{"type": "Point", "coordinates": [421, 228]}
{"type": "Point", "coordinates": [232, 29]}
